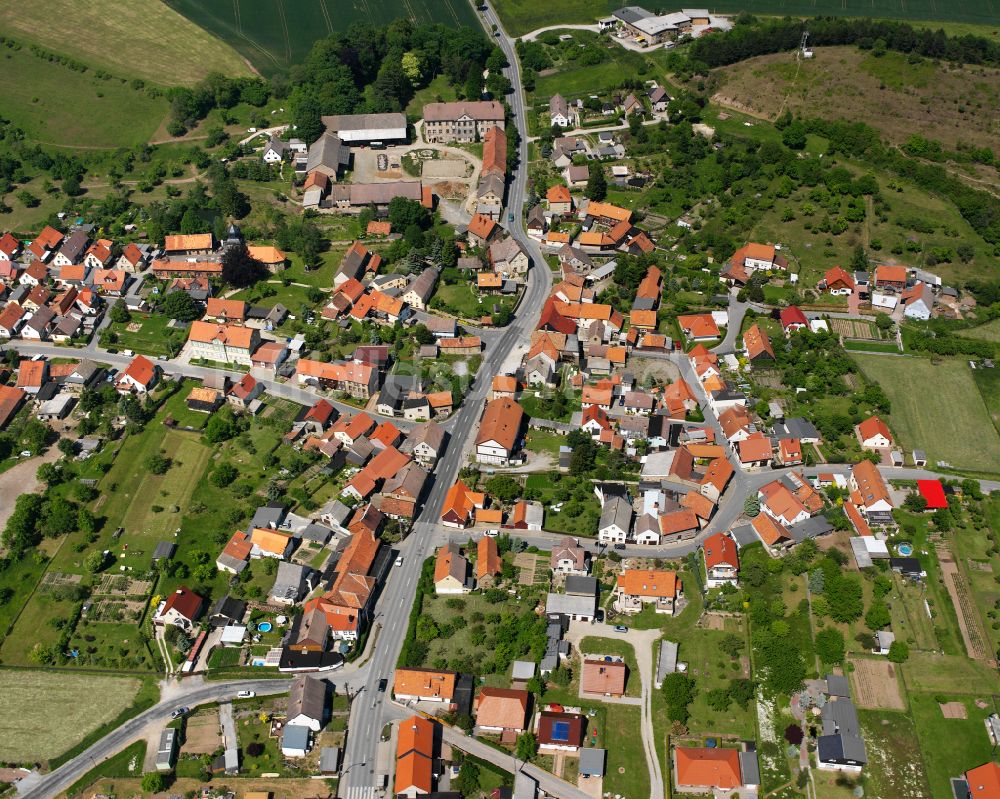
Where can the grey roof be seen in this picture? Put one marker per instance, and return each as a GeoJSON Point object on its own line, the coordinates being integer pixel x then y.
{"type": "Point", "coordinates": [491, 183]}
{"type": "Point", "coordinates": [749, 768]}
{"type": "Point", "coordinates": [307, 697]}
{"type": "Point", "coordinates": [537, 216]}
{"type": "Point", "coordinates": [328, 151]}
{"type": "Point", "coordinates": [74, 245]}
{"type": "Point", "coordinates": [571, 605]}
{"type": "Point", "coordinates": [295, 736]}
{"type": "Point", "coordinates": [840, 716]}
{"type": "Point", "coordinates": [837, 685]}
{"type": "Point", "coordinates": [884, 638]}
{"type": "Point", "coordinates": [364, 121]}
{"type": "Point", "coordinates": [423, 284]}
{"type": "Point", "coordinates": [919, 455]}
{"type": "Point", "coordinates": [604, 271]}
{"type": "Point", "coordinates": [592, 762]}
{"type": "Point", "coordinates": [617, 510]}
{"type": "Point", "coordinates": [810, 528]}
{"type": "Point", "coordinates": [796, 427]}
{"type": "Point", "coordinates": [337, 512]}
{"type": "Point", "coordinates": [579, 585]}
{"type": "Point", "coordinates": [268, 516]}
{"type": "Point", "coordinates": [329, 759]}
{"type": "Point", "coordinates": [861, 556]}
{"type": "Point", "coordinates": [667, 661]}
{"type": "Point", "coordinates": [631, 14]}
{"type": "Point", "coordinates": [523, 670]}
{"type": "Point", "coordinates": [289, 581]}
{"type": "Point", "coordinates": [429, 433]}
{"type": "Point", "coordinates": [164, 550]}
{"type": "Point", "coordinates": [83, 372]}
{"type": "Point", "coordinates": [835, 748]}
{"type": "Point", "coordinates": [319, 533]}
{"type": "Point", "coordinates": [744, 534]}
{"type": "Point", "coordinates": [230, 607]}
{"type": "Point", "coordinates": [525, 786]}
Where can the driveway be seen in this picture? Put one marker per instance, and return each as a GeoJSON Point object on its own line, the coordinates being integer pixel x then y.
{"type": "Point", "coordinates": [642, 642]}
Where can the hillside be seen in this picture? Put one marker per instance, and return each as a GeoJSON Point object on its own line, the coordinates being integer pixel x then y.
{"type": "Point", "coordinates": [945, 102]}
{"type": "Point", "coordinates": [137, 39]}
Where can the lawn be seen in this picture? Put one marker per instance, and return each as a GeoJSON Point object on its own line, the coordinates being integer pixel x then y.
{"type": "Point", "coordinates": [47, 713]}
{"type": "Point", "coordinates": [141, 38]}
{"type": "Point", "coordinates": [154, 337]}
{"type": "Point", "coordinates": [581, 509]}
{"type": "Point", "coordinates": [627, 772]}
{"type": "Point", "coordinates": [951, 423]}
{"type": "Point", "coordinates": [176, 407]}
{"type": "Point", "coordinates": [894, 765]}
{"type": "Point", "coordinates": [462, 299]}
{"type": "Point", "coordinates": [952, 674]}
{"type": "Point", "coordinates": [950, 746]}
{"type": "Point", "coordinates": [56, 105]}
{"type": "Point", "coordinates": [544, 441]}
{"type": "Point", "coordinates": [596, 645]}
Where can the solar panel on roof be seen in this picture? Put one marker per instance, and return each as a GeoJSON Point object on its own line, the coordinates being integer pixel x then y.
{"type": "Point", "coordinates": [560, 731]}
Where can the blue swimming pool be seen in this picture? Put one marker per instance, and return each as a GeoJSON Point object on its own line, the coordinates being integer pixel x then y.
{"type": "Point", "coordinates": [264, 626]}
{"type": "Point", "coordinates": [905, 550]}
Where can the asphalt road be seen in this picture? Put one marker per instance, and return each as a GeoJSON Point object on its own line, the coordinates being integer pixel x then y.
{"type": "Point", "coordinates": [370, 712]}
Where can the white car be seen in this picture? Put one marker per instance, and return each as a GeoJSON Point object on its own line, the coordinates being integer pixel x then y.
{"type": "Point", "coordinates": [246, 694]}
{"type": "Point", "coordinates": [492, 533]}
{"type": "Point", "coordinates": [399, 561]}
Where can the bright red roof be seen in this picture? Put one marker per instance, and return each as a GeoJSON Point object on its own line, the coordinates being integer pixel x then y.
{"type": "Point", "coordinates": [933, 492]}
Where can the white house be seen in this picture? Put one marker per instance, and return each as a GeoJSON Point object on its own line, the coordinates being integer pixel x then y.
{"type": "Point", "coordinates": [616, 521]}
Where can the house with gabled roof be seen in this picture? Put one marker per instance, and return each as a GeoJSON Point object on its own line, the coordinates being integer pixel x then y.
{"type": "Point", "coordinates": [722, 560]}
{"type": "Point", "coordinates": [874, 434]}
{"type": "Point", "coordinates": [139, 376]}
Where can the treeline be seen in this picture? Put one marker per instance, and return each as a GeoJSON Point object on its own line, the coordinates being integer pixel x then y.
{"type": "Point", "coordinates": [367, 69]}
{"type": "Point", "coordinates": [751, 38]}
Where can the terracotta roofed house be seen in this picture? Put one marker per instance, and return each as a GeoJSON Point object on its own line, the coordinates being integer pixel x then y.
{"type": "Point", "coordinates": [499, 431]}
{"type": "Point", "coordinates": [638, 587]}
{"type": "Point", "coordinates": [890, 277]}
{"type": "Point", "coordinates": [459, 504]}
{"type": "Point", "coordinates": [603, 677]}
{"type": "Point", "coordinates": [984, 781]}
{"type": "Point", "coordinates": [139, 377]}
{"type": "Point", "coordinates": [838, 281]}
{"type": "Point", "coordinates": [722, 562]}
{"type": "Point", "coordinates": [705, 768]}
{"type": "Point", "coordinates": [502, 710]}
{"type": "Point", "coordinates": [758, 344]}
{"type": "Point", "coordinates": [423, 685]}
{"type": "Point", "coordinates": [874, 433]}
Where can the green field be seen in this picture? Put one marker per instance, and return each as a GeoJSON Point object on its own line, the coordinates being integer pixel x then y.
{"type": "Point", "coordinates": [521, 16]}
{"type": "Point", "coordinates": [273, 35]}
{"type": "Point", "coordinates": [56, 105]}
{"type": "Point", "coordinates": [140, 38]}
{"type": "Point", "coordinates": [950, 422]}
{"type": "Point", "coordinates": [49, 713]}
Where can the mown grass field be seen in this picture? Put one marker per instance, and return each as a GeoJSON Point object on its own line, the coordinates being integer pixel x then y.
{"type": "Point", "coordinates": [56, 105]}
{"type": "Point", "coordinates": [141, 38]}
{"type": "Point", "coordinates": [273, 35]}
{"type": "Point", "coordinates": [47, 713]}
{"type": "Point", "coordinates": [950, 422]}
{"type": "Point", "coordinates": [988, 332]}
{"type": "Point", "coordinates": [523, 16]}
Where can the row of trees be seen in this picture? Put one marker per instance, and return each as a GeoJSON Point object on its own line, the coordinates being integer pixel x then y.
{"type": "Point", "coordinates": [751, 38]}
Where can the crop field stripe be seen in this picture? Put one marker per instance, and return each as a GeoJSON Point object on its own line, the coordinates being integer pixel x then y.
{"type": "Point", "coordinates": [326, 15]}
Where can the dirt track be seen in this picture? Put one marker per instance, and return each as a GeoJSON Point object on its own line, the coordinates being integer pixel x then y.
{"type": "Point", "coordinates": [22, 479]}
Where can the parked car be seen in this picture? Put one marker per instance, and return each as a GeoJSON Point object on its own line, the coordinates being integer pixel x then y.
{"type": "Point", "coordinates": [619, 546]}
{"type": "Point", "coordinates": [382, 684]}
{"type": "Point", "coordinates": [621, 628]}
{"type": "Point", "coordinates": [492, 533]}
{"type": "Point", "coordinates": [181, 711]}
{"type": "Point", "coordinates": [399, 561]}
{"type": "Point", "coordinates": [246, 694]}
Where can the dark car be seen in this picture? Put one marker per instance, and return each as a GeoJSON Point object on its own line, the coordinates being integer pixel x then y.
{"type": "Point", "coordinates": [619, 546]}
{"type": "Point", "coordinates": [382, 685]}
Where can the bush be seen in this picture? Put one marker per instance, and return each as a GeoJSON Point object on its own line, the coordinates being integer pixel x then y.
{"type": "Point", "coordinates": [223, 475]}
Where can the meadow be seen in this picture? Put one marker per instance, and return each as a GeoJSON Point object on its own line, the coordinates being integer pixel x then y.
{"type": "Point", "coordinates": [141, 38]}
{"type": "Point", "coordinates": [938, 101]}
{"type": "Point", "coordinates": [48, 713]}
{"type": "Point", "coordinates": [273, 35]}
{"type": "Point", "coordinates": [951, 422]}
{"type": "Point", "coordinates": [54, 104]}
